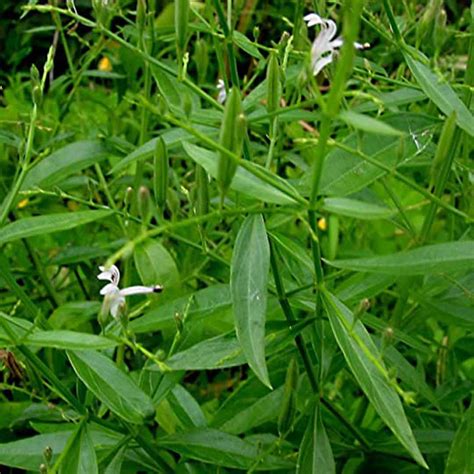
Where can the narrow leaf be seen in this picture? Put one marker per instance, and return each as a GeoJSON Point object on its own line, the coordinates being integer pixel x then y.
{"type": "Point", "coordinates": [111, 386]}
{"type": "Point", "coordinates": [248, 283]}
{"type": "Point", "coordinates": [438, 258]}
{"type": "Point", "coordinates": [365, 362]}
{"type": "Point", "coordinates": [315, 454]}
{"type": "Point", "coordinates": [442, 94]}
{"type": "Point", "coordinates": [31, 226]}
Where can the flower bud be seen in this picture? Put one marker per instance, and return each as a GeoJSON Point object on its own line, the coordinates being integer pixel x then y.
{"type": "Point", "coordinates": [144, 204]}
{"type": "Point", "coordinates": [36, 90]}
{"type": "Point", "coordinates": [231, 137]}
{"type": "Point", "coordinates": [48, 454]}
{"type": "Point", "coordinates": [43, 469]}
{"type": "Point", "coordinates": [201, 59]}
{"type": "Point", "coordinates": [141, 16]}
{"type": "Point", "coordinates": [273, 90]}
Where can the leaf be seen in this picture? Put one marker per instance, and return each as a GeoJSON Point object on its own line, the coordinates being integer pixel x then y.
{"type": "Point", "coordinates": [344, 172]}
{"type": "Point", "coordinates": [365, 362]}
{"type": "Point", "coordinates": [357, 209]}
{"type": "Point", "coordinates": [243, 181]}
{"type": "Point", "coordinates": [222, 449]}
{"type": "Point", "coordinates": [172, 137]}
{"type": "Point", "coordinates": [244, 43]}
{"type": "Point", "coordinates": [39, 225]}
{"type": "Point", "coordinates": [215, 353]}
{"type": "Point", "coordinates": [80, 455]}
{"type": "Point", "coordinates": [450, 312]}
{"type": "Point", "coordinates": [248, 285]}
{"type": "Point", "coordinates": [155, 264]}
{"type": "Point", "coordinates": [368, 124]}
{"type": "Point", "coordinates": [111, 386]}
{"type": "Point", "coordinates": [200, 304]}
{"type": "Point", "coordinates": [461, 454]}
{"type": "Point", "coordinates": [437, 258]}
{"type": "Point", "coordinates": [66, 161]}
{"type": "Point", "coordinates": [315, 454]}
{"type": "Point", "coordinates": [442, 94]}
{"type": "Point", "coordinates": [68, 340]}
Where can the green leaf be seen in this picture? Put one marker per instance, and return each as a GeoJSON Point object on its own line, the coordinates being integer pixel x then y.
{"type": "Point", "coordinates": [243, 181]}
{"type": "Point", "coordinates": [200, 304]}
{"type": "Point", "coordinates": [215, 353]}
{"type": "Point", "coordinates": [39, 225]}
{"type": "Point", "coordinates": [111, 386]}
{"type": "Point", "coordinates": [438, 258]}
{"type": "Point", "coordinates": [315, 454]}
{"type": "Point", "coordinates": [155, 265]}
{"type": "Point", "coordinates": [248, 284]}
{"type": "Point", "coordinates": [222, 449]}
{"type": "Point", "coordinates": [461, 454]}
{"type": "Point", "coordinates": [365, 362]}
{"type": "Point", "coordinates": [356, 209]}
{"type": "Point", "coordinates": [368, 124]}
{"type": "Point", "coordinates": [79, 456]}
{"type": "Point", "coordinates": [68, 340]}
{"type": "Point", "coordinates": [245, 44]}
{"type": "Point", "coordinates": [344, 172]}
{"type": "Point", "coordinates": [66, 161]}
{"type": "Point", "coordinates": [442, 94]}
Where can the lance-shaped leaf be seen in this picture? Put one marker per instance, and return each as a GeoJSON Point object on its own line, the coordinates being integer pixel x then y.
{"type": "Point", "coordinates": [38, 225]}
{"type": "Point", "coordinates": [438, 258]}
{"type": "Point", "coordinates": [365, 362]}
{"type": "Point", "coordinates": [114, 388]}
{"type": "Point", "coordinates": [248, 283]}
{"type": "Point", "coordinates": [315, 453]}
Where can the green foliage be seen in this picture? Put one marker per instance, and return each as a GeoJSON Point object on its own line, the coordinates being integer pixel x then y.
{"type": "Point", "coordinates": [296, 251]}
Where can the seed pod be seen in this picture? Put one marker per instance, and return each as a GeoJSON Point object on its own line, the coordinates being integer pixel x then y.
{"type": "Point", "coordinates": [144, 205]}
{"type": "Point", "coordinates": [181, 18]}
{"type": "Point", "coordinates": [35, 85]}
{"type": "Point", "coordinates": [231, 137]}
{"type": "Point", "coordinates": [202, 188]}
{"type": "Point", "coordinates": [288, 406]}
{"type": "Point", "coordinates": [141, 16]}
{"type": "Point", "coordinates": [443, 150]}
{"type": "Point", "coordinates": [201, 59]}
{"type": "Point", "coordinates": [160, 177]}
{"type": "Point", "coordinates": [273, 89]}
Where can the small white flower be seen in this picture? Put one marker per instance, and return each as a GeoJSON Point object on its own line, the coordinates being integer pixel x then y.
{"type": "Point", "coordinates": [222, 96]}
{"type": "Point", "coordinates": [325, 44]}
{"type": "Point", "coordinates": [113, 295]}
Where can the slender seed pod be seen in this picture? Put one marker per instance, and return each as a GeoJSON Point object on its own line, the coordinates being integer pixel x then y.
{"type": "Point", "coordinates": [273, 89]}
{"type": "Point", "coordinates": [141, 16]}
{"type": "Point", "coordinates": [201, 59]}
{"type": "Point", "coordinates": [231, 137]}
{"type": "Point", "coordinates": [36, 91]}
{"type": "Point", "coordinates": [288, 406]}
{"type": "Point", "coordinates": [202, 188]}
{"type": "Point", "coordinates": [442, 154]}
{"type": "Point", "coordinates": [144, 204]}
{"type": "Point", "coordinates": [160, 177]}
{"type": "Point", "coordinates": [181, 18]}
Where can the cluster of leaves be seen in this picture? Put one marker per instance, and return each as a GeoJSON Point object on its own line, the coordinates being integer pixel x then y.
{"type": "Point", "coordinates": [312, 236]}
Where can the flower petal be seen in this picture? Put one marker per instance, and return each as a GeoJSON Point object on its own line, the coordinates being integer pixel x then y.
{"type": "Point", "coordinates": [313, 19]}
{"type": "Point", "coordinates": [320, 63]}
{"type": "Point", "coordinates": [140, 290]}
{"type": "Point", "coordinates": [111, 274]}
{"type": "Point", "coordinates": [109, 289]}
{"type": "Point", "coordinates": [115, 304]}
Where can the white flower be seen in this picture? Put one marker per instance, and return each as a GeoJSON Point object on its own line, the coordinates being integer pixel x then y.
{"type": "Point", "coordinates": [114, 297]}
{"type": "Point", "coordinates": [325, 44]}
{"type": "Point", "coordinates": [222, 96]}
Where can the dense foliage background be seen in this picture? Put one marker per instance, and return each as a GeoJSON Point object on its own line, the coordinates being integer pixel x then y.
{"type": "Point", "coordinates": [312, 235]}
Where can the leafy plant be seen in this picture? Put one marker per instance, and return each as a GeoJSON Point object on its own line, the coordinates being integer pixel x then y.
{"type": "Point", "coordinates": [282, 218]}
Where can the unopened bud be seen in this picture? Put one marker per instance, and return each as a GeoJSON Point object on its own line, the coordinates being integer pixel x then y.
{"type": "Point", "coordinates": [363, 307]}
{"type": "Point", "coordinates": [48, 454]}
{"type": "Point", "coordinates": [178, 319]}
{"type": "Point", "coordinates": [128, 198]}
{"type": "Point", "coordinates": [43, 469]}
{"type": "Point", "coordinates": [141, 16]}
{"type": "Point", "coordinates": [144, 204]}
{"type": "Point", "coordinates": [36, 91]}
